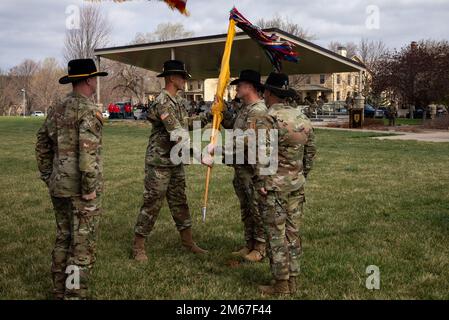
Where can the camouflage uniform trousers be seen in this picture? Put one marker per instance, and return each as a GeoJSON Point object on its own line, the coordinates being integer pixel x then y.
{"type": "Point", "coordinates": [252, 220]}
{"type": "Point", "coordinates": [77, 222]}
{"type": "Point", "coordinates": [280, 212]}
{"type": "Point", "coordinates": [301, 200]}
{"type": "Point", "coordinates": [161, 182]}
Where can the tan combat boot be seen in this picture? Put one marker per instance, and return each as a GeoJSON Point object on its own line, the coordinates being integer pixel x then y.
{"type": "Point", "coordinates": [257, 254]}
{"type": "Point", "coordinates": [187, 242]}
{"type": "Point", "coordinates": [245, 250]}
{"type": "Point", "coordinates": [139, 249]}
{"type": "Point", "coordinates": [279, 287]}
{"type": "Point", "coordinates": [291, 284]}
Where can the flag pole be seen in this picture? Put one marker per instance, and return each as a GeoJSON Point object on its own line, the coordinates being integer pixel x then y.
{"type": "Point", "coordinates": [218, 106]}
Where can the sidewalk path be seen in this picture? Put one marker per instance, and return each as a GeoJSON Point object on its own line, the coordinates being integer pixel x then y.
{"type": "Point", "coordinates": [424, 135]}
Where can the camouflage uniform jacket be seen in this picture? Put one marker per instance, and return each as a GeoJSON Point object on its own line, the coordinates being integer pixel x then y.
{"type": "Point", "coordinates": [246, 115]}
{"type": "Point", "coordinates": [68, 148]}
{"type": "Point", "coordinates": [296, 148]}
{"type": "Point", "coordinates": [166, 115]}
{"type": "Point", "coordinates": [392, 111]}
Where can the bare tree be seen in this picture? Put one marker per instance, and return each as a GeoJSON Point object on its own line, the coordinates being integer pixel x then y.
{"type": "Point", "coordinates": [131, 82]}
{"type": "Point", "coordinates": [351, 47]}
{"type": "Point", "coordinates": [285, 24]}
{"type": "Point", "coordinates": [371, 51]}
{"type": "Point", "coordinates": [144, 38]}
{"type": "Point", "coordinates": [5, 102]}
{"type": "Point", "coordinates": [128, 83]}
{"type": "Point", "coordinates": [298, 80]}
{"type": "Point", "coordinates": [171, 31]}
{"type": "Point", "coordinates": [3, 83]}
{"type": "Point", "coordinates": [21, 76]}
{"type": "Point", "coordinates": [164, 32]}
{"type": "Point", "coordinates": [10, 96]}
{"type": "Point", "coordinates": [93, 32]}
{"type": "Point", "coordinates": [43, 89]}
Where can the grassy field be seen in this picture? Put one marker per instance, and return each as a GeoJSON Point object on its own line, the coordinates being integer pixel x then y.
{"type": "Point", "coordinates": [369, 202]}
{"type": "Point", "coordinates": [405, 122]}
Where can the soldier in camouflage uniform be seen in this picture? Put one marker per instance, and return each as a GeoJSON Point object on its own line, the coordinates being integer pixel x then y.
{"type": "Point", "coordinates": [163, 178]}
{"type": "Point", "coordinates": [281, 193]}
{"type": "Point", "coordinates": [392, 113]}
{"type": "Point", "coordinates": [68, 152]}
{"type": "Point", "coordinates": [248, 88]}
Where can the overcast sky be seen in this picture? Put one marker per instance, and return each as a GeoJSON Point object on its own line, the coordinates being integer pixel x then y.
{"type": "Point", "coordinates": [35, 28]}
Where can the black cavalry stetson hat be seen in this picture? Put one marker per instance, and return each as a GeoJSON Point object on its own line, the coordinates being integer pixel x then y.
{"type": "Point", "coordinates": [79, 69]}
{"type": "Point", "coordinates": [174, 67]}
{"type": "Point", "coordinates": [249, 76]}
{"type": "Point", "coordinates": [278, 84]}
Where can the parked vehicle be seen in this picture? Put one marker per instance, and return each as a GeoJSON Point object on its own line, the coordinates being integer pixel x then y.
{"type": "Point", "coordinates": [37, 114]}
{"type": "Point", "coordinates": [140, 114]}
{"type": "Point", "coordinates": [418, 114]}
{"type": "Point", "coordinates": [441, 110]}
{"type": "Point", "coordinates": [343, 111]}
{"type": "Point", "coordinates": [384, 109]}
{"type": "Point", "coordinates": [371, 112]}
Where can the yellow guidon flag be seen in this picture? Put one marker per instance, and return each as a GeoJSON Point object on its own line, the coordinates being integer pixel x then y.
{"type": "Point", "coordinates": [218, 106]}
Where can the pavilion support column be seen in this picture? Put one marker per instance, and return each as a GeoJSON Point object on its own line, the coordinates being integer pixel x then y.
{"type": "Point", "coordinates": [98, 82]}
{"type": "Point", "coordinates": [360, 99]}
{"type": "Point", "coordinates": [333, 87]}
{"type": "Point", "coordinates": [172, 54]}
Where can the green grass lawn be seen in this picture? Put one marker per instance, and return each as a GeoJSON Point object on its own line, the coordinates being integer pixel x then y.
{"type": "Point", "coordinates": [405, 122]}
{"type": "Point", "coordinates": [369, 202]}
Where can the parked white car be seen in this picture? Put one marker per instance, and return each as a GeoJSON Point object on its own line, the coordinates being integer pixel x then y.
{"type": "Point", "coordinates": [37, 114]}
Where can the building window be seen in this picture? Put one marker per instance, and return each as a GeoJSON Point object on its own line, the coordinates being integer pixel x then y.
{"type": "Point", "coordinates": [338, 79]}
{"type": "Point", "coordinates": [322, 79]}
{"type": "Point", "coordinates": [308, 80]}
{"type": "Point", "coordinates": [338, 96]}
{"type": "Point", "coordinates": [356, 80]}
{"type": "Point", "coordinates": [349, 79]}
{"type": "Point", "coordinates": [199, 85]}
{"type": "Point", "coordinates": [191, 87]}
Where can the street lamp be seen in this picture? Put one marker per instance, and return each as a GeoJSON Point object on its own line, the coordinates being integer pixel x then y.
{"type": "Point", "coordinates": [24, 101]}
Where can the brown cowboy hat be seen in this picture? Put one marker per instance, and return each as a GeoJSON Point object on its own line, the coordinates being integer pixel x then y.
{"type": "Point", "coordinates": [278, 84]}
{"type": "Point", "coordinates": [250, 76]}
{"type": "Point", "coordinates": [174, 67]}
{"type": "Point", "coordinates": [79, 69]}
